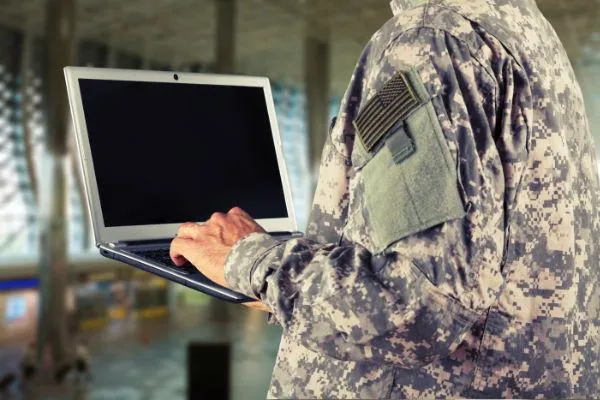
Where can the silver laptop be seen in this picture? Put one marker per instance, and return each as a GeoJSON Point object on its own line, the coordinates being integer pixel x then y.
{"type": "Point", "coordinates": [159, 148]}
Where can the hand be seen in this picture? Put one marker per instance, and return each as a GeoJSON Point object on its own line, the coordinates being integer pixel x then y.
{"type": "Point", "coordinates": [206, 246]}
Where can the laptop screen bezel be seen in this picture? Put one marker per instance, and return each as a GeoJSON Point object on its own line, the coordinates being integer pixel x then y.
{"type": "Point", "coordinates": [104, 234]}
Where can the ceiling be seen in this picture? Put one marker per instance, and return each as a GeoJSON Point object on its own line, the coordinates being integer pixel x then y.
{"type": "Point", "coordinates": [270, 32]}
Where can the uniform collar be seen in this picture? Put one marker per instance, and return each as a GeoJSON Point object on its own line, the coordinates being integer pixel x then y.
{"type": "Point", "coordinates": [400, 5]}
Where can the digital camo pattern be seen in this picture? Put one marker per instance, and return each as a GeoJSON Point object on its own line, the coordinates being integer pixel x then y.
{"type": "Point", "coordinates": [501, 303]}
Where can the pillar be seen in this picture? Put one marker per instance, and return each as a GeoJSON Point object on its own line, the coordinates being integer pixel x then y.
{"type": "Point", "coordinates": [225, 36]}
{"type": "Point", "coordinates": [317, 77]}
{"type": "Point", "coordinates": [59, 52]}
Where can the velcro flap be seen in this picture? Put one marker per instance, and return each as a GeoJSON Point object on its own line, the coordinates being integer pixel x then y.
{"type": "Point", "coordinates": [400, 145]}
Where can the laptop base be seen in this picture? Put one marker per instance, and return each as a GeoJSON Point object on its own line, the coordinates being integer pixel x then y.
{"type": "Point", "coordinates": [196, 281]}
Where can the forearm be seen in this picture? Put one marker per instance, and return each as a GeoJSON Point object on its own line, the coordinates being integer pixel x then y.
{"type": "Point", "coordinates": [337, 300]}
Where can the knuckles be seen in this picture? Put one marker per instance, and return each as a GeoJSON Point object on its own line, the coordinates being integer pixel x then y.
{"type": "Point", "coordinates": [235, 210]}
{"type": "Point", "coordinates": [217, 217]}
{"type": "Point", "coordinates": [188, 227]}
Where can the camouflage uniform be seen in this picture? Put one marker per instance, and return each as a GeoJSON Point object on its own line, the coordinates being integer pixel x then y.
{"type": "Point", "coordinates": [456, 254]}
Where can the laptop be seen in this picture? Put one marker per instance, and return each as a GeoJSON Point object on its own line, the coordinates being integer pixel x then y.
{"type": "Point", "coordinates": [158, 149]}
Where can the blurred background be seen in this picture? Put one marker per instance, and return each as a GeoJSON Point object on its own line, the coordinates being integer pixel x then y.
{"type": "Point", "coordinates": [59, 300]}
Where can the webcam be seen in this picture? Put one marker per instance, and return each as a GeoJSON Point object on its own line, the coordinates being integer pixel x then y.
{"type": "Point", "coordinates": [176, 77]}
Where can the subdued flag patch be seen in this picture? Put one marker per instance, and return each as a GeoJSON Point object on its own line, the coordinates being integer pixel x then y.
{"type": "Point", "coordinates": [393, 103]}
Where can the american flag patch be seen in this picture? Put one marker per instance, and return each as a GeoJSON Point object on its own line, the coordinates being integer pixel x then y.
{"type": "Point", "coordinates": [394, 102]}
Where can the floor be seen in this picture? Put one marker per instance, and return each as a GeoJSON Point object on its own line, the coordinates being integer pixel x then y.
{"type": "Point", "coordinates": [148, 359]}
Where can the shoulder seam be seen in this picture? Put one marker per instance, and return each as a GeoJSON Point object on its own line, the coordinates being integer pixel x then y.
{"type": "Point", "coordinates": [508, 49]}
{"type": "Point", "coordinates": [473, 52]}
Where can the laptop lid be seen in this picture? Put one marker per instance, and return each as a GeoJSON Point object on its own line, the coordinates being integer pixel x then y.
{"type": "Point", "coordinates": [160, 148]}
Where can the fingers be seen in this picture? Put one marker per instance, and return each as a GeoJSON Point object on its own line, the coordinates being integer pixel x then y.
{"type": "Point", "coordinates": [194, 231]}
{"type": "Point", "coordinates": [239, 211]}
{"type": "Point", "coordinates": [181, 249]}
{"type": "Point", "coordinates": [190, 230]}
{"type": "Point", "coordinates": [246, 219]}
{"type": "Point", "coordinates": [220, 229]}
{"type": "Point", "coordinates": [217, 218]}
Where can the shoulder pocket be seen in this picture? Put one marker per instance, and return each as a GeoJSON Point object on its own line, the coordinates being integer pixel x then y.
{"type": "Point", "coordinates": [419, 192]}
{"type": "Point", "coordinates": [409, 178]}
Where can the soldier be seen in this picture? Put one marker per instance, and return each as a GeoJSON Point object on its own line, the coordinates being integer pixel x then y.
{"type": "Point", "coordinates": [454, 240]}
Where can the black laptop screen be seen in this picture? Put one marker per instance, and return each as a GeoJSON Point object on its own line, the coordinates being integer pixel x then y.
{"type": "Point", "coordinates": [171, 152]}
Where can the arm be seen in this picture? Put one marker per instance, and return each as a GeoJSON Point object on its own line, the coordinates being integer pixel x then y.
{"type": "Point", "coordinates": [412, 302]}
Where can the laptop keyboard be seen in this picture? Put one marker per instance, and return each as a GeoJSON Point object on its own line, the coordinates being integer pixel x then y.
{"type": "Point", "coordinates": [161, 256]}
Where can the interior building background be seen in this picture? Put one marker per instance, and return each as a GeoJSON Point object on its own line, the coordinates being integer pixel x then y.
{"type": "Point", "coordinates": [138, 327]}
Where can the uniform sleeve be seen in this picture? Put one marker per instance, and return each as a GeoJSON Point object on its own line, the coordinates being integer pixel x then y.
{"type": "Point", "coordinates": [411, 301]}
